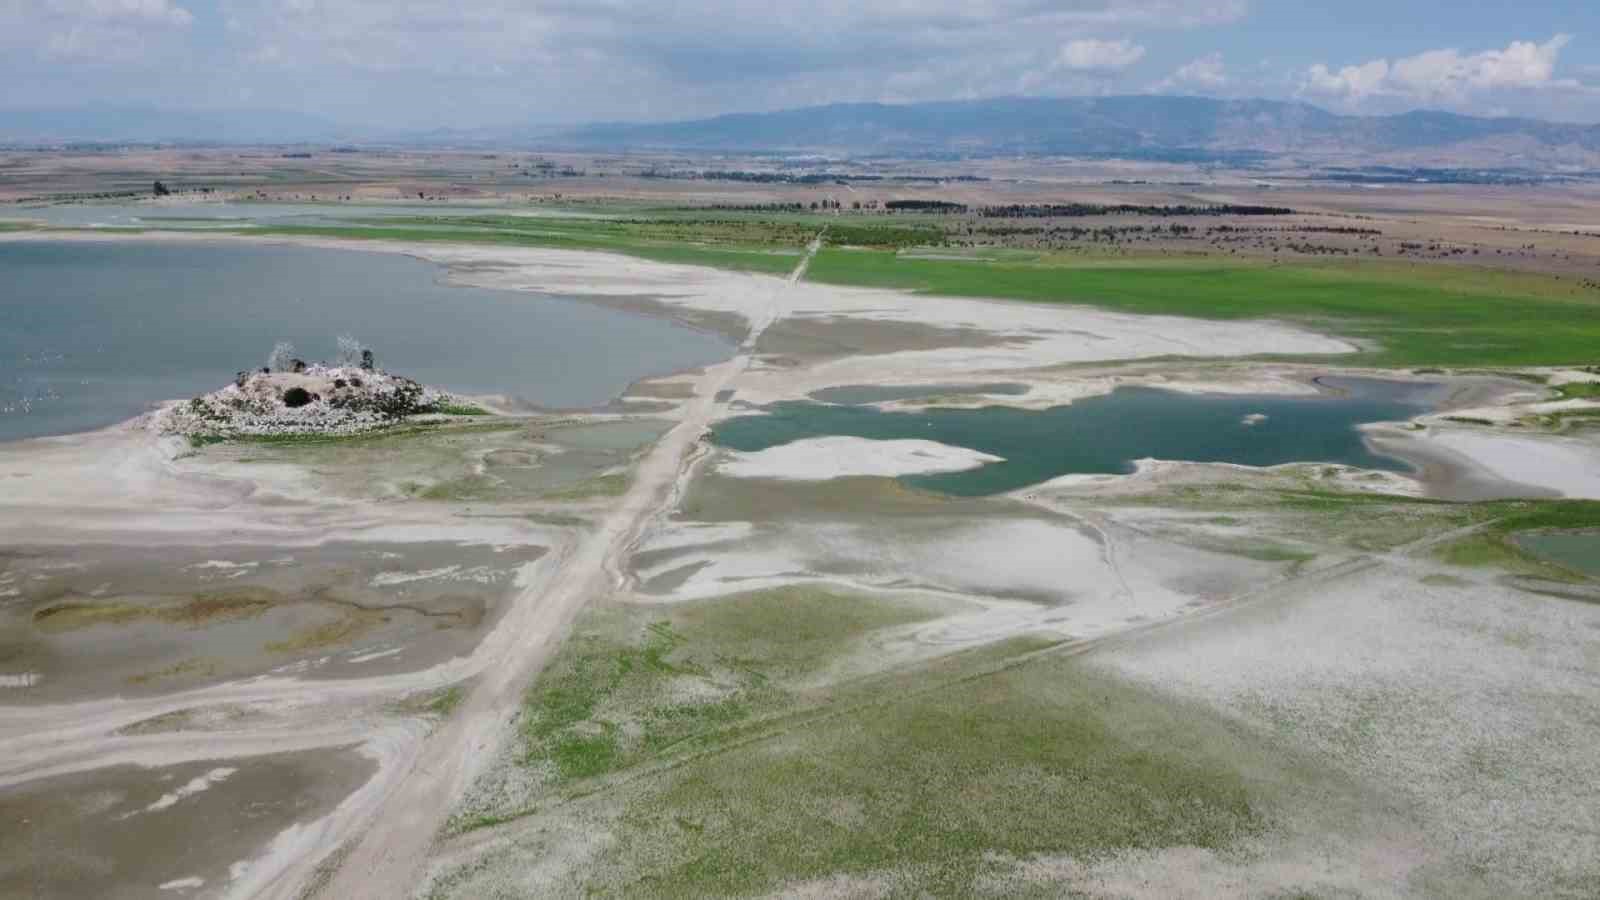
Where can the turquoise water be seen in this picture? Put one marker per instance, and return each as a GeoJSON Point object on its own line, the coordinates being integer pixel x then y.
{"type": "Point", "coordinates": [92, 333]}
{"type": "Point", "coordinates": [1577, 550]}
{"type": "Point", "coordinates": [1102, 435]}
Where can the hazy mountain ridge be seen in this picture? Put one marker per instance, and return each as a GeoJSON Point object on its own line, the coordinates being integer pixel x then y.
{"type": "Point", "coordinates": [1134, 125]}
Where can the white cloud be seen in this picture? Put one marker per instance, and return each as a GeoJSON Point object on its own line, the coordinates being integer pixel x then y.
{"type": "Point", "coordinates": [1443, 76]}
{"type": "Point", "coordinates": [92, 32]}
{"type": "Point", "coordinates": [1091, 54]}
{"type": "Point", "coordinates": [148, 12]}
{"type": "Point", "coordinates": [1204, 74]}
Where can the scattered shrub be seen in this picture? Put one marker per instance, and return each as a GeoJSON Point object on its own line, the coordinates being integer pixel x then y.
{"type": "Point", "coordinates": [282, 357]}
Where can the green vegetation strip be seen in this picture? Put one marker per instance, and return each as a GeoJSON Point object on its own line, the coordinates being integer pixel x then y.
{"type": "Point", "coordinates": [944, 773]}
{"type": "Point", "coordinates": [941, 789]}
{"type": "Point", "coordinates": [611, 701]}
{"type": "Point", "coordinates": [1404, 316]}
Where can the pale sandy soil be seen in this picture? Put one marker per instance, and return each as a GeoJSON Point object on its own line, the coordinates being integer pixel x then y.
{"type": "Point", "coordinates": [1461, 699]}
{"type": "Point", "coordinates": [1549, 465]}
{"type": "Point", "coordinates": [819, 459]}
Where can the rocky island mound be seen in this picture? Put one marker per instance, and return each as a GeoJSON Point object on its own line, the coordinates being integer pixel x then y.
{"type": "Point", "coordinates": [292, 397]}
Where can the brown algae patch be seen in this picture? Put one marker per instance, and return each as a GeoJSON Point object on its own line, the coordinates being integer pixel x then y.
{"type": "Point", "coordinates": [102, 618]}
{"type": "Point", "coordinates": [343, 630]}
{"type": "Point", "coordinates": [125, 831]}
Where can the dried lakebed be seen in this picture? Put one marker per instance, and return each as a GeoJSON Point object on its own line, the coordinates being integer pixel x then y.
{"type": "Point", "coordinates": [87, 621]}
{"type": "Point", "coordinates": [711, 684]}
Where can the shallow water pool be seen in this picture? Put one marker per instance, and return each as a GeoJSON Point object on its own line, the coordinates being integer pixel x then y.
{"type": "Point", "coordinates": [1103, 435]}
{"type": "Point", "coordinates": [1577, 550]}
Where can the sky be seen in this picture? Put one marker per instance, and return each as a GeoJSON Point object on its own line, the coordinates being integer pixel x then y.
{"type": "Point", "coordinates": [422, 64]}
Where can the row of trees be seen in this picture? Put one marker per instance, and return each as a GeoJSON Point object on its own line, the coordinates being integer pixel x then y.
{"type": "Point", "coordinates": [1079, 210]}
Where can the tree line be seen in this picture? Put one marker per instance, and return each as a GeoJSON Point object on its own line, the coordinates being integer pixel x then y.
{"type": "Point", "coordinates": [1080, 210]}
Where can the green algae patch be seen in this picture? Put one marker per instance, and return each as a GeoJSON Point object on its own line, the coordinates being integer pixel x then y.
{"type": "Point", "coordinates": [202, 609]}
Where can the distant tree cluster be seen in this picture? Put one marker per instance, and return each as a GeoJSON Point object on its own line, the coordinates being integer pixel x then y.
{"type": "Point", "coordinates": [1080, 210]}
{"type": "Point", "coordinates": [851, 234]}
{"type": "Point", "coordinates": [925, 206]}
{"type": "Point", "coordinates": [800, 178]}
{"type": "Point", "coordinates": [1306, 229]}
{"type": "Point", "coordinates": [758, 207]}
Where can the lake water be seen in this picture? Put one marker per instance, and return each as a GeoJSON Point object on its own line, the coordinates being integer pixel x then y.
{"type": "Point", "coordinates": [92, 333]}
{"type": "Point", "coordinates": [1105, 434]}
{"type": "Point", "coordinates": [1577, 550]}
{"type": "Point", "coordinates": [233, 214]}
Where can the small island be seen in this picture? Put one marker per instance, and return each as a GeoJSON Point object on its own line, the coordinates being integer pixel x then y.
{"type": "Point", "coordinates": [290, 397]}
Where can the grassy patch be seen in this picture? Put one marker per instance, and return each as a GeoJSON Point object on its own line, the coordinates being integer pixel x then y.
{"type": "Point", "coordinates": [1579, 390]}
{"type": "Point", "coordinates": [467, 487]}
{"type": "Point", "coordinates": [1480, 550]}
{"type": "Point", "coordinates": [1496, 547]}
{"type": "Point", "coordinates": [942, 773]}
{"type": "Point", "coordinates": [625, 689]}
{"type": "Point", "coordinates": [443, 703]}
{"type": "Point", "coordinates": [602, 486]}
{"type": "Point", "coordinates": [1527, 515]}
{"type": "Point", "coordinates": [440, 702]}
{"type": "Point", "coordinates": [375, 435]}
{"type": "Point", "coordinates": [460, 409]}
{"type": "Point", "coordinates": [199, 667]}
{"type": "Point", "coordinates": [1412, 316]}
{"type": "Point", "coordinates": [1048, 758]}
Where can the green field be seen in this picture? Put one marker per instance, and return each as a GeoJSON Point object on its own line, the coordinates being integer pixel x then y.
{"type": "Point", "coordinates": [1402, 315]}
{"type": "Point", "coordinates": [729, 759]}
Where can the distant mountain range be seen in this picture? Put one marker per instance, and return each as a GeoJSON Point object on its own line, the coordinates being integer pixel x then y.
{"type": "Point", "coordinates": [1140, 126]}
{"type": "Point", "coordinates": [1135, 127]}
